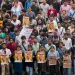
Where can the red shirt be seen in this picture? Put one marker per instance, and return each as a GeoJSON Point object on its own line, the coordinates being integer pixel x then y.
{"type": "Point", "coordinates": [12, 47]}
{"type": "Point", "coordinates": [54, 11]}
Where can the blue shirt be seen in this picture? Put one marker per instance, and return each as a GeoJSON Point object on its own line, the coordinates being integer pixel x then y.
{"type": "Point", "coordinates": [72, 13]}
{"type": "Point", "coordinates": [53, 54]}
{"type": "Point", "coordinates": [16, 11]}
{"type": "Point", "coordinates": [27, 5]}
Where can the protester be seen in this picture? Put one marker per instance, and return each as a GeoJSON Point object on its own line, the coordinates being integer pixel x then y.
{"type": "Point", "coordinates": [53, 67]}
{"type": "Point", "coordinates": [42, 66]}
{"type": "Point", "coordinates": [29, 65]}
{"type": "Point", "coordinates": [18, 64]}
{"type": "Point", "coordinates": [67, 71]}
{"type": "Point", "coordinates": [5, 67]}
{"type": "Point", "coordinates": [17, 8]}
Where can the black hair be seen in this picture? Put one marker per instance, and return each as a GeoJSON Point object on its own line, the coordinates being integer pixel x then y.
{"type": "Point", "coordinates": [42, 45]}
{"type": "Point", "coordinates": [55, 36]}
{"type": "Point", "coordinates": [3, 44]}
{"type": "Point", "coordinates": [66, 34]}
{"type": "Point", "coordinates": [23, 37]}
{"type": "Point", "coordinates": [23, 10]}
{"type": "Point", "coordinates": [12, 39]}
{"type": "Point", "coordinates": [34, 1]}
{"type": "Point", "coordinates": [19, 46]}
{"type": "Point", "coordinates": [4, 9]}
{"type": "Point", "coordinates": [14, 15]}
{"type": "Point", "coordinates": [30, 46]}
{"type": "Point", "coordinates": [43, 34]}
{"type": "Point", "coordinates": [59, 22]}
{"type": "Point", "coordinates": [50, 39]}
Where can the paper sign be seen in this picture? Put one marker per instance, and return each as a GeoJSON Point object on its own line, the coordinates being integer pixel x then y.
{"type": "Point", "coordinates": [66, 61]}
{"type": "Point", "coordinates": [4, 58]}
{"type": "Point", "coordinates": [50, 26]}
{"type": "Point", "coordinates": [41, 57]}
{"type": "Point", "coordinates": [52, 60]}
{"type": "Point", "coordinates": [28, 56]}
{"type": "Point", "coordinates": [26, 21]}
{"type": "Point", "coordinates": [25, 32]}
{"type": "Point", "coordinates": [18, 56]}
{"type": "Point", "coordinates": [1, 23]}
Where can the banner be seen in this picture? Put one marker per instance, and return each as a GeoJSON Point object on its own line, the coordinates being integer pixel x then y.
{"type": "Point", "coordinates": [28, 56]}
{"type": "Point", "coordinates": [4, 58]}
{"type": "Point", "coordinates": [25, 32]}
{"type": "Point", "coordinates": [41, 57]}
{"type": "Point", "coordinates": [26, 21]}
{"type": "Point", "coordinates": [18, 56]}
{"type": "Point", "coordinates": [66, 61]}
{"type": "Point", "coordinates": [52, 60]}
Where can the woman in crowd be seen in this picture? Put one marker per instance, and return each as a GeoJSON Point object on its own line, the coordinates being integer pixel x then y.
{"type": "Point", "coordinates": [18, 61]}
{"type": "Point", "coordinates": [53, 55]}
{"type": "Point", "coordinates": [67, 58]}
{"type": "Point", "coordinates": [29, 65]}
{"type": "Point", "coordinates": [42, 66]}
{"type": "Point", "coordinates": [16, 9]}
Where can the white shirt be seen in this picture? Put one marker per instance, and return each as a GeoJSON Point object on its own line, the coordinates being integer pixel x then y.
{"type": "Point", "coordinates": [8, 52]}
{"type": "Point", "coordinates": [33, 22]}
{"type": "Point", "coordinates": [44, 8]}
{"type": "Point", "coordinates": [17, 22]}
{"type": "Point", "coordinates": [61, 31]}
{"type": "Point", "coordinates": [16, 10]}
{"type": "Point", "coordinates": [24, 46]}
{"type": "Point", "coordinates": [67, 43]}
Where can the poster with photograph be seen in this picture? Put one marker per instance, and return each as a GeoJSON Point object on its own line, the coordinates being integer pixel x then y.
{"type": "Point", "coordinates": [67, 62]}
{"type": "Point", "coordinates": [18, 56]}
{"type": "Point", "coordinates": [50, 26]}
{"type": "Point", "coordinates": [1, 23]}
{"type": "Point", "coordinates": [4, 59]}
{"type": "Point", "coordinates": [26, 21]}
{"type": "Point", "coordinates": [41, 57]}
{"type": "Point", "coordinates": [52, 60]}
{"type": "Point", "coordinates": [28, 56]}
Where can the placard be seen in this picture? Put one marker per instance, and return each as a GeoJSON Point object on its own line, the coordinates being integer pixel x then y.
{"type": "Point", "coordinates": [52, 60]}
{"type": "Point", "coordinates": [28, 56]}
{"type": "Point", "coordinates": [25, 32]}
{"type": "Point", "coordinates": [1, 23]}
{"type": "Point", "coordinates": [26, 21]}
{"type": "Point", "coordinates": [50, 26]}
{"type": "Point", "coordinates": [41, 57]}
{"type": "Point", "coordinates": [66, 61]}
{"type": "Point", "coordinates": [4, 58]}
{"type": "Point", "coordinates": [18, 56]}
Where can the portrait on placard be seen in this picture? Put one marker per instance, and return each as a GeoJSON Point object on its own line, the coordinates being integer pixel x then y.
{"type": "Point", "coordinates": [18, 56]}
{"type": "Point", "coordinates": [4, 59]}
{"type": "Point", "coordinates": [67, 62]}
{"type": "Point", "coordinates": [28, 56]}
{"type": "Point", "coordinates": [52, 60]}
{"type": "Point", "coordinates": [26, 21]}
{"type": "Point", "coordinates": [41, 57]}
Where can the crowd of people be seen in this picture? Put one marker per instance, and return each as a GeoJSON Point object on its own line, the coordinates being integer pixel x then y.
{"type": "Point", "coordinates": [53, 34]}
